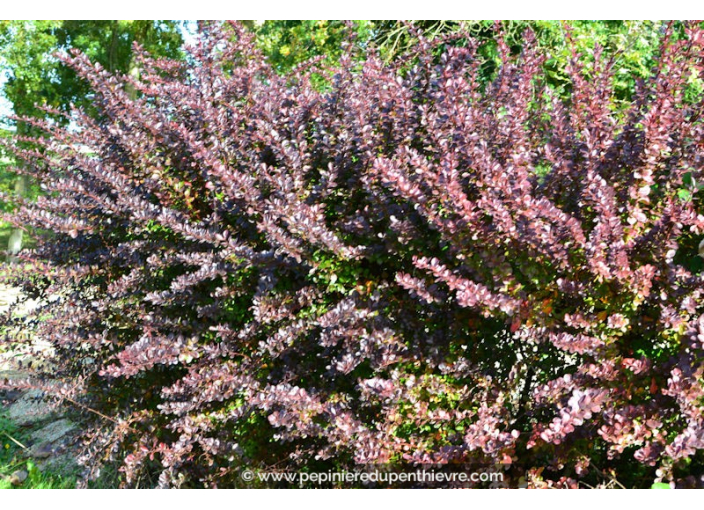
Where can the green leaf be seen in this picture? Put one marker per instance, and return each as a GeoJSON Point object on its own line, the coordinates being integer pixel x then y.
{"type": "Point", "coordinates": [684, 195]}
{"type": "Point", "coordinates": [660, 485]}
{"type": "Point", "coordinates": [687, 179]}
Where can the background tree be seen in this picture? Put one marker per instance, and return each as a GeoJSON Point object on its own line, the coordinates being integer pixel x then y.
{"type": "Point", "coordinates": [631, 44]}
{"type": "Point", "coordinates": [287, 43]}
{"type": "Point", "coordinates": [36, 79]}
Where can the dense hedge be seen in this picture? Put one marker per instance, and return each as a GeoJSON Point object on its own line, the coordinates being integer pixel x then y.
{"type": "Point", "coordinates": [401, 266]}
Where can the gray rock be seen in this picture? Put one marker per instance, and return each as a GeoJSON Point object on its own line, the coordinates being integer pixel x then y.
{"type": "Point", "coordinates": [10, 373]}
{"type": "Point", "coordinates": [62, 465]}
{"type": "Point", "coordinates": [29, 409]}
{"type": "Point", "coordinates": [54, 431]}
{"type": "Point", "coordinates": [42, 451]}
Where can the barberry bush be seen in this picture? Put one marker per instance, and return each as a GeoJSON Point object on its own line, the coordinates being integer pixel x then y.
{"type": "Point", "coordinates": [376, 263]}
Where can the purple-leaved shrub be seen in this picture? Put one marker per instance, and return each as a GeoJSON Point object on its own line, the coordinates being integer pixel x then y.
{"type": "Point", "coordinates": [376, 263]}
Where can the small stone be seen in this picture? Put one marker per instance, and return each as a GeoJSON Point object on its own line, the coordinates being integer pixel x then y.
{"type": "Point", "coordinates": [18, 477]}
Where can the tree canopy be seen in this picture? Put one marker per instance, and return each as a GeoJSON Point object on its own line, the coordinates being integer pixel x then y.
{"type": "Point", "coordinates": [35, 76]}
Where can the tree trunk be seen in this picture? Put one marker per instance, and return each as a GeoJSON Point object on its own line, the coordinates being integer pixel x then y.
{"type": "Point", "coordinates": [134, 72]}
{"type": "Point", "coordinates": [14, 245]}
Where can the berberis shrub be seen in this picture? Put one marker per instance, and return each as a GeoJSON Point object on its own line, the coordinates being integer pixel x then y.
{"type": "Point", "coordinates": [378, 263]}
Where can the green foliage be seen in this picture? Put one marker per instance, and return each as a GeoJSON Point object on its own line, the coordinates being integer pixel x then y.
{"type": "Point", "coordinates": [290, 42]}
{"type": "Point", "coordinates": [37, 77]}
{"type": "Point", "coordinates": [632, 45]}
{"type": "Point", "coordinates": [660, 486]}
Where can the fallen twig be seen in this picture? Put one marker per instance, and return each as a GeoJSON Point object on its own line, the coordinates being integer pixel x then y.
{"type": "Point", "coordinates": [15, 441]}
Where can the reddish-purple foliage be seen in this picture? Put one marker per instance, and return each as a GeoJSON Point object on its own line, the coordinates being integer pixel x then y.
{"type": "Point", "coordinates": [405, 265]}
